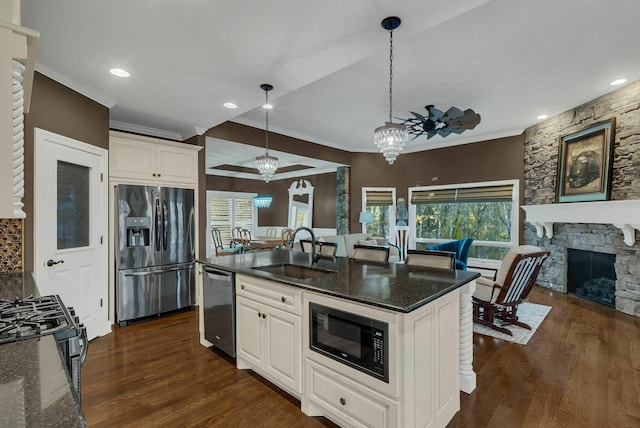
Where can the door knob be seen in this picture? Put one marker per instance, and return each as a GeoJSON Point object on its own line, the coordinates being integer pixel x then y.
{"type": "Point", "coordinates": [50, 262]}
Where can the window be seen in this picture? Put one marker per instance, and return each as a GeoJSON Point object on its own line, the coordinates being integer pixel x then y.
{"type": "Point", "coordinates": [228, 210]}
{"type": "Point", "coordinates": [486, 212]}
{"type": "Point", "coordinates": [379, 202]}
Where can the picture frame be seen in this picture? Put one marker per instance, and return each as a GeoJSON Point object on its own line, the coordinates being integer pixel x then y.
{"type": "Point", "coordinates": [585, 160]}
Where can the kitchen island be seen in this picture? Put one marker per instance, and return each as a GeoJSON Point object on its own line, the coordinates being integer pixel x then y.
{"type": "Point", "coordinates": [429, 343]}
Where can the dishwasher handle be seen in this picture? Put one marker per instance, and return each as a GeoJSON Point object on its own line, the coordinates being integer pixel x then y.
{"type": "Point", "coordinates": [222, 276]}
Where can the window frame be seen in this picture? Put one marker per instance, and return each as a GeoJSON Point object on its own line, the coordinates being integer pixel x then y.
{"type": "Point", "coordinates": [392, 208]}
{"type": "Point", "coordinates": [220, 194]}
{"type": "Point", "coordinates": [515, 218]}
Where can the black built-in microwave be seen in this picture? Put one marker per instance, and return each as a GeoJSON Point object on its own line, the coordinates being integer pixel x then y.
{"type": "Point", "coordinates": [357, 341]}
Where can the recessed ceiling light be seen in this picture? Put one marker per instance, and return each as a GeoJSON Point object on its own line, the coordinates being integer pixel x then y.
{"type": "Point", "coordinates": [542, 116]}
{"type": "Point", "coordinates": [230, 105]}
{"type": "Point", "coordinates": [119, 72]}
{"type": "Point", "coordinates": [618, 82]}
{"type": "Point", "coordinates": [267, 106]}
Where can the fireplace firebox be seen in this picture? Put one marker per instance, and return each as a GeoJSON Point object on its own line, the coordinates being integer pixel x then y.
{"type": "Point", "coordinates": [592, 275]}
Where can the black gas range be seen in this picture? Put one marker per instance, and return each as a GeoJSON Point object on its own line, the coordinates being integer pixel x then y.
{"type": "Point", "coordinates": [32, 317]}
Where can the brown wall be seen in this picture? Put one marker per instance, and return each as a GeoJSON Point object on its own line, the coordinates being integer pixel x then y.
{"type": "Point", "coordinates": [324, 197]}
{"type": "Point", "coordinates": [499, 159]}
{"type": "Point", "coordinates": [58, 109]}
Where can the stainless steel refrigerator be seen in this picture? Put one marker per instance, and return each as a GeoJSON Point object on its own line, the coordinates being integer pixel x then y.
{"type": "Point", "coordinates": [155, 253]}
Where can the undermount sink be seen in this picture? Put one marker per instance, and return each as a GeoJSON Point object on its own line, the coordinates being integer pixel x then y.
{"type": "Point", "coordinates": [294, 271]}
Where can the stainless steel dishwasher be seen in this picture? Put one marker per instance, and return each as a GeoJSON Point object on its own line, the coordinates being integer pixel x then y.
{"type": "Point", "coordinates": [220, 309]}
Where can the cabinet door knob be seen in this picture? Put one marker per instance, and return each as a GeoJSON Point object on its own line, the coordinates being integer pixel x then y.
{"type": "Point", "coordinates": [284, 299]}
{"type": "Point", "coordinates": [343, 401]}
{"type": "Point", "coordinates": [264, 316]}
{"type": "Point", "coordinates": [154, 174]}
{"type": "Point", "coordinates": [259, 314]}
{"type": "Point", "coordinates": [158, 174]}
{"type": "Point", "coordinates": [242, 286]}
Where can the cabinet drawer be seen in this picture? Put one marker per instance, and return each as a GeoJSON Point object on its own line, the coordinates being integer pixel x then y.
{"type": "Point", "coordinates": [358, 406]}
{"type": "Point", "coordinates": [283, 297]}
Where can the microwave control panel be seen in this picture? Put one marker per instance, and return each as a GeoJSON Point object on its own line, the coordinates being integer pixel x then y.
{"type": "Point", "coordinates": [378, 346]}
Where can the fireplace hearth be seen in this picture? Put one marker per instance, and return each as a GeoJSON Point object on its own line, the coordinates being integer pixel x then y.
{"type": "Point", "coordinates": [591, 275]}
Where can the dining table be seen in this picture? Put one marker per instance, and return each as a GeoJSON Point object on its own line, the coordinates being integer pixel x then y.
{"type": "Point", "coordinates": [265, 242]}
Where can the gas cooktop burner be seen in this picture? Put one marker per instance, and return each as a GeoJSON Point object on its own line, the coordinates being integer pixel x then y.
{"type": "Point", "coordinates": [32, 317]}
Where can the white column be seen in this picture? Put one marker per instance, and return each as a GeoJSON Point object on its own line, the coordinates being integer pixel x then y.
{"type": "Point", "coordinates": [467, 375]}
{"type": "Point", "coordinates": [18, 140]}
{"type": "Point", "coordinates": [402, 240]}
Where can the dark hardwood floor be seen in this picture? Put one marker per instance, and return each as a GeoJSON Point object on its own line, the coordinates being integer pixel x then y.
{"type": "Point", "coordinates": [580, 369]}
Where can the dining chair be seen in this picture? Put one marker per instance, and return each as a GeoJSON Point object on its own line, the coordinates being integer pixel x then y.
{"type": "Point", "coordinates": [327, 249]}
{"type": "Point", "coordinates": [272, 232]}
{"type": "Point", "coordinates": [373, 253]}
{"type": "Point", "coordinates": [461, 248]}
{"type": "Point", "coordinates": [444, 260]}
{"type": "Point", "coordinates": [245, 239]}
{"type": "Point", "coordinates": [219, 246]}
{"type": "Point", "coordinates": [286, 237]}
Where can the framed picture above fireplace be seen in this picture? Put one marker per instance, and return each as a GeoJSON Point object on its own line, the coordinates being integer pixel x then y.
{"type": "Point", "coordinates": [584, 164]}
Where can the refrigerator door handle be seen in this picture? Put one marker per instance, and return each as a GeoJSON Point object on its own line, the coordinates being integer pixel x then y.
{"type": "Point", "coordinates": [154, 272]}
{"type": "Point", "coordinates": [165, 224]}
{"type": "Point", "coordinates": [156, 221]}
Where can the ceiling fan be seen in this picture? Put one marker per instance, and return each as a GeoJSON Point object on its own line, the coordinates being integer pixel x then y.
{"type": "Point", "coordinates": [442, 123]}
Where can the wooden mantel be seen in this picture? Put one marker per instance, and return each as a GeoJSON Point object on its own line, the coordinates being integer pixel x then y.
{"type": "Point", "coordinates": [625, 215]}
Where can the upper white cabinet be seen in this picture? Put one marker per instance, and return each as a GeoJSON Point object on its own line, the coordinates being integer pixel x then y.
{"type": "Point", "coordinates": [152, 160]}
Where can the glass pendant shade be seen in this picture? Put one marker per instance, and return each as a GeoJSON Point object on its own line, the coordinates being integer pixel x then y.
{"type": "Point", "coordinates": [390, 140]}
{"type": "Point", "coordinates": [262, 201]}
{"type": "Point", "coordinates": [267, 166]}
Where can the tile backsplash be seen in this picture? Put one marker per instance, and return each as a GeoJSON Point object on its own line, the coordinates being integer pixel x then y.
{"type": "Point", "coordinates": [11, 258]}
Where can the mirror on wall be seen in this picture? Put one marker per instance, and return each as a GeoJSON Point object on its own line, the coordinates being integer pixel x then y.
{"type": "Point", "coordinates": [300, 204]}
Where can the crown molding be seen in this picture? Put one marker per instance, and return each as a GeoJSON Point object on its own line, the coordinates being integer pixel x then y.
{"type": "Point", "coordinates": [98, 97]}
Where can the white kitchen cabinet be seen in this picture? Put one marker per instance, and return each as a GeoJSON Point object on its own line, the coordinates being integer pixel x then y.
{"type": "Point", "coordinates": [423, 388]}
{"type": "Point", "coordinates": [269, 332]}
{"type": "Point", "coordinates": [148, 160]}
{"type": "Point", "coordinates": [348, 400]}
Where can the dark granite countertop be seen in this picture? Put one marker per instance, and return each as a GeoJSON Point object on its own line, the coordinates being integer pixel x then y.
{"type": "Point", "coordinates": [35, 389]}
{"type": "Point", "coordinates": [17, 285]}
{"type": "Point", "coordinates": [393, 286]}
{"type": "Point", "coordinates": [34, 386]}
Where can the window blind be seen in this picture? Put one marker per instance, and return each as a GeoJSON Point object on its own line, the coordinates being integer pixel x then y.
{"type": "Point", "coordinates": [469, 194]}
{"type": "Point", "coordinates": [227, 213]}
{"type": "Point", "coordinates": [379, 198]}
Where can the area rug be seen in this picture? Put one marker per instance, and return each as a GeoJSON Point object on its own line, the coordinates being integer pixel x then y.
{"type": "Point", "coordinates": [529, 313]}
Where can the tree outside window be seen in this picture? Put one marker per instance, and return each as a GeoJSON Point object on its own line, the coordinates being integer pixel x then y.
{"type": "Point", "coordinates": [482, 211]}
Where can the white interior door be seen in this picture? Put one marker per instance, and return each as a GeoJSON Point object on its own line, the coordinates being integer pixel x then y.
{"type": "Point", "coordinates": [70, 226]}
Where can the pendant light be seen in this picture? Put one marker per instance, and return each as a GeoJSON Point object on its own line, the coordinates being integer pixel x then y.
{"type": "Point", "coordinates": [266, 164]}
{"type": "Point", "coordinates": [391, 138]}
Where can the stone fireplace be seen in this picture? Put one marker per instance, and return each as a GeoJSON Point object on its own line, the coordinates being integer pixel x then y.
{"type": "Point", "coordinates": [605, 227]}
{"type": "Point", "coordinates": [591, 275]}
{"type": "Point", "coordinates": [576, 227]}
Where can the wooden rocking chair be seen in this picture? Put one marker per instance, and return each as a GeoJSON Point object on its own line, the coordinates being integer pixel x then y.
{"type": "Point", "coordinates": [499, 299]}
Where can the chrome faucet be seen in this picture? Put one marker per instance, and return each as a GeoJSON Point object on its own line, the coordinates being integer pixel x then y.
{"type": "Point", "coordinates": [315, 256]}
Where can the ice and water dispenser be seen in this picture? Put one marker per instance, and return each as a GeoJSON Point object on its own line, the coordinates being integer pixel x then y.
{"type": "Point", "coordinates": [137, 231]}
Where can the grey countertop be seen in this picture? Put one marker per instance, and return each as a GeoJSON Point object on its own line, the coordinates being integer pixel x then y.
{"type": "Point", "coordinates": [17, 285]}
{"type": "Point", "coordinates": [35, 390]}
{"type": "Point", "coordinates": [394, 286]}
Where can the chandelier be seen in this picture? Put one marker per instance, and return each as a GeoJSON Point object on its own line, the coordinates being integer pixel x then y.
{"type": "Point", "coordinates": [391, 137]}
{"type": "Point", "coordinates": [262, 201]}
{"type": "Point", "coordinates": [266, 164]}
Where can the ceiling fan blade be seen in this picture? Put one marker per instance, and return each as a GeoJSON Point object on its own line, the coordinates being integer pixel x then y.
{"type": "Point", "coordinates": [454, 113]}
{"type": "Point", "coordinates": [435, 114]}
